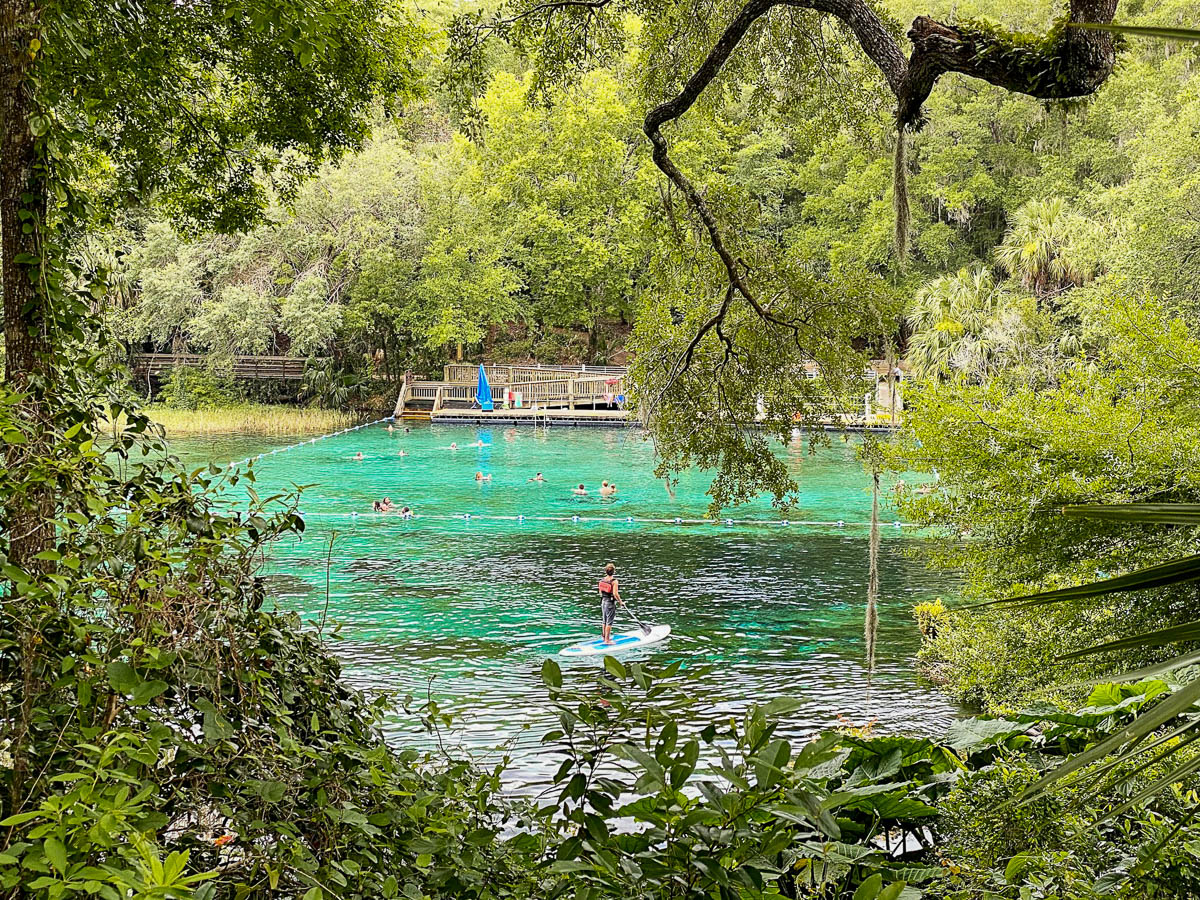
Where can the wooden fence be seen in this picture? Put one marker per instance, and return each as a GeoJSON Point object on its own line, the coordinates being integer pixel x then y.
{"type": "Point", "coordinates": [468, 373]}
{"type": "Point", "coordinates": [281, 368]}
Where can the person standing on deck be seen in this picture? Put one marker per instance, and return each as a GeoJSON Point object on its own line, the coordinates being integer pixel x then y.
{"type": "Point", "coordinates": [610, 596]}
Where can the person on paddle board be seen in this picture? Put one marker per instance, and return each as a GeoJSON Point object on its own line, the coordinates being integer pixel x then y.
{"type": "Point", "coordinates": [610, 596]}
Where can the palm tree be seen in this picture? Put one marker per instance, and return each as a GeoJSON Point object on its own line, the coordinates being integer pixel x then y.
{"type": "Point", "coordinates": [962, 324]}
{"type": "Point", "coordinates": [1040, 248]}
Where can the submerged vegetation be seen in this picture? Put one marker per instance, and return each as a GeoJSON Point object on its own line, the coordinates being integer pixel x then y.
{"type": "Point", "coordinates": [727, 191]}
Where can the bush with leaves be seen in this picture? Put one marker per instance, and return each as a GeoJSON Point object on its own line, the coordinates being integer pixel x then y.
{"type": "Point", "coordinates": [187, 388]}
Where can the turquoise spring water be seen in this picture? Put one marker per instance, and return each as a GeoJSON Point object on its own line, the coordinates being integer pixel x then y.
{"type": "Point", "coordinates": [467, 610]}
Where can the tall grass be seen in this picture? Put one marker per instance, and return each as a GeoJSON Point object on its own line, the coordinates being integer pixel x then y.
{"type": "Point", "coordinates": [249, 418]}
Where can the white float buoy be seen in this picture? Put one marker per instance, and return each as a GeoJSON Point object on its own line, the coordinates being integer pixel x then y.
{"type": "Point", "coordinates": [896, 524]}
{"type": "Point", "coordinates": [678, 521]}
{"type": "Point", "coordinates": [729, 521]}
{"type": "Point", "coordinates": [629, 519]}
{"type": "Point", "coordinates": [785, 522]}
{"type": "Point", "coordinates": [574, 518]}
{"type": "Point", "coordinates": [841, 524]}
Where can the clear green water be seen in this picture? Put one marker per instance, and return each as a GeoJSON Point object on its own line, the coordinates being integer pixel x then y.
{"type": "Point", "coordinates": [469, 609]}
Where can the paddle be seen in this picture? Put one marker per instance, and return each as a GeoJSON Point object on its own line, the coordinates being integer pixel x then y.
{"type": "Point", "coordinates": [645, 628]}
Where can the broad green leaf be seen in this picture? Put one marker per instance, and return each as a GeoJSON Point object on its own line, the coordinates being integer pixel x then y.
{"type": "Point", "coordinates": [968, 735]}
{"type": "Point", "coordinates": [20, 818]}
{"type": "Point", "coordinates": [870, 887]}
{"type": "Point", "coordinates": [781, 706]}
{"type": "Point", "coordinates": [1015, 867]}
{"type": "Point", "coordinates": [613, 666]}
{"type": "Point", "coordinates": [122, 677]}
{"type": "Point", "coordinates": [56, 853]}
{"type": "Point", "coordinates": [147, 691]}
{"type": "Point", "coordinates": [551, 674]}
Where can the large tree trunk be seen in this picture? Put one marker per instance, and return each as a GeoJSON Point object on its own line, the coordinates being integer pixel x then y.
{"type": "Point", "coordinates": [26, 330]}
{"type": "Point", "coordinates": [27, 350]}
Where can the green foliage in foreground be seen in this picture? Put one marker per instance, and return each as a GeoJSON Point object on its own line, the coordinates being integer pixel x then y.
{"type": "Point", "coordinates": [180, 741]}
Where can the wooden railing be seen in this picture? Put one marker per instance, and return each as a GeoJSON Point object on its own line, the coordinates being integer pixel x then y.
{"type": "Point", "coordinates": [468, 373]}
{"type": "Point", "coordinates": [254, 367]}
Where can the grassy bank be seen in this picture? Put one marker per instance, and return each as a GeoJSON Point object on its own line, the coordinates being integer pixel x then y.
{"type": "Point", "coordinates": [249, 418]}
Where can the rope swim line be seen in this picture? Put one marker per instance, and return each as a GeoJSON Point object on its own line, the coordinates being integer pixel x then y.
{"type": "Point", "coordinates": [250, 459]}
{"type": "Point", "coordinates": [574, 519]}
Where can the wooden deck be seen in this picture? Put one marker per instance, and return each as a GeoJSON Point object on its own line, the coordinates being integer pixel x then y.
{"type": "Point", "coordinates": [548, 387]}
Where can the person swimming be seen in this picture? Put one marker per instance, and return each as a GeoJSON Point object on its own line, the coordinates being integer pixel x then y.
{"type": "Point", "coordinates": [403, 453]}
{"type": "Point", "coordinates": [537, 477]}
{"type": "Point", "coordinates": [607, 490]}
{"type": "Point", "coordinates": [479, 443]}
{"type": "Point", "coordinates": [377, 506]}
{"type": "Point", "coordinates": [391, 428]}
{"type": "Point", "coordinates": [479, 476]}
{"type": "Point", "coordinates": [580, 491]}
{"type": "Point", "coordinates": [386, 506]}
{"type": "Point", "coordinates": [358, 455]}
{"type": "Point", "coordinates": [406, 513]}
{"type": "Point", "coordinates": [453, 445]}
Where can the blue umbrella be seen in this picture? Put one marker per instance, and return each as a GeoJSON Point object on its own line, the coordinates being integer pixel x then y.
{"type": "Point", "coordinates": [483, 393]}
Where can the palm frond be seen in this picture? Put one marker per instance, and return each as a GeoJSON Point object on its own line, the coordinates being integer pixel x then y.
{"type": "Point", "coordinates": [1157, 31]}
{"type": "Point", "coordinates": [1147, 513]}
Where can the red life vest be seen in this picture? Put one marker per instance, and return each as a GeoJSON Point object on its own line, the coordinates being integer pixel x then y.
{"type": "Point", "coordinates": [606, 585]}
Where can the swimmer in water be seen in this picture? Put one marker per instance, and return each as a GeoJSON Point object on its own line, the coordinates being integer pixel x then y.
{"type": "Point", "coordinates": [607, 490]}
{"type": "Point", "coordinates": [453, 446]}
{"type": "Point", "coordinates": [404, 453]}
{"type": "Point", "coordinates": [391, 428]}
{"type": "Point", "coordinates": [406, 513]}
{"type": "Point", "coordinates": [358, 455]}
{"type": "Point", "coordinates": [580, 491]}
{"type": "Point", "coordinates": [478, 443]}
{"type": "Point", "coordinates": [537, 477]}
{"type": "Point", "coordinates": [376, 506]}
{"type": "Point", "coordinates": [386, 506]}
{"type": "Point", "coordinates": [479, 476]}
{"type": "Point", "coordinates": [407, 429]}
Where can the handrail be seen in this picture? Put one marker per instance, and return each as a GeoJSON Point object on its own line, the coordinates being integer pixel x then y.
{"type": "Point", "coordinates": [245, 366]}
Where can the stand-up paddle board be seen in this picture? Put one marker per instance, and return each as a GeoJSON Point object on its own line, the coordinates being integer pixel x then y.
{"type": "Point", "coordinates": [630, 640]}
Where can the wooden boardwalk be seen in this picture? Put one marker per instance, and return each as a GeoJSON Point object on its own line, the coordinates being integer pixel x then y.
{"type": "Point", "coordinates": [261, 368]}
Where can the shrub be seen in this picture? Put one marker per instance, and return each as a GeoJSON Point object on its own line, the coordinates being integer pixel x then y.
{"type": "Point", "coordinates": [188, 388]}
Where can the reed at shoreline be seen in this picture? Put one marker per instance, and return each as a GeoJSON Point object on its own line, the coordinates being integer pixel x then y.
{"type": "Point", "coordinates": [249, 418]}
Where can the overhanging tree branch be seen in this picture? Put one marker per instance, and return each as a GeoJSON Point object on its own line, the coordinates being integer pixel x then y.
{"type": "Point", "coordinates": [1069, 62]}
